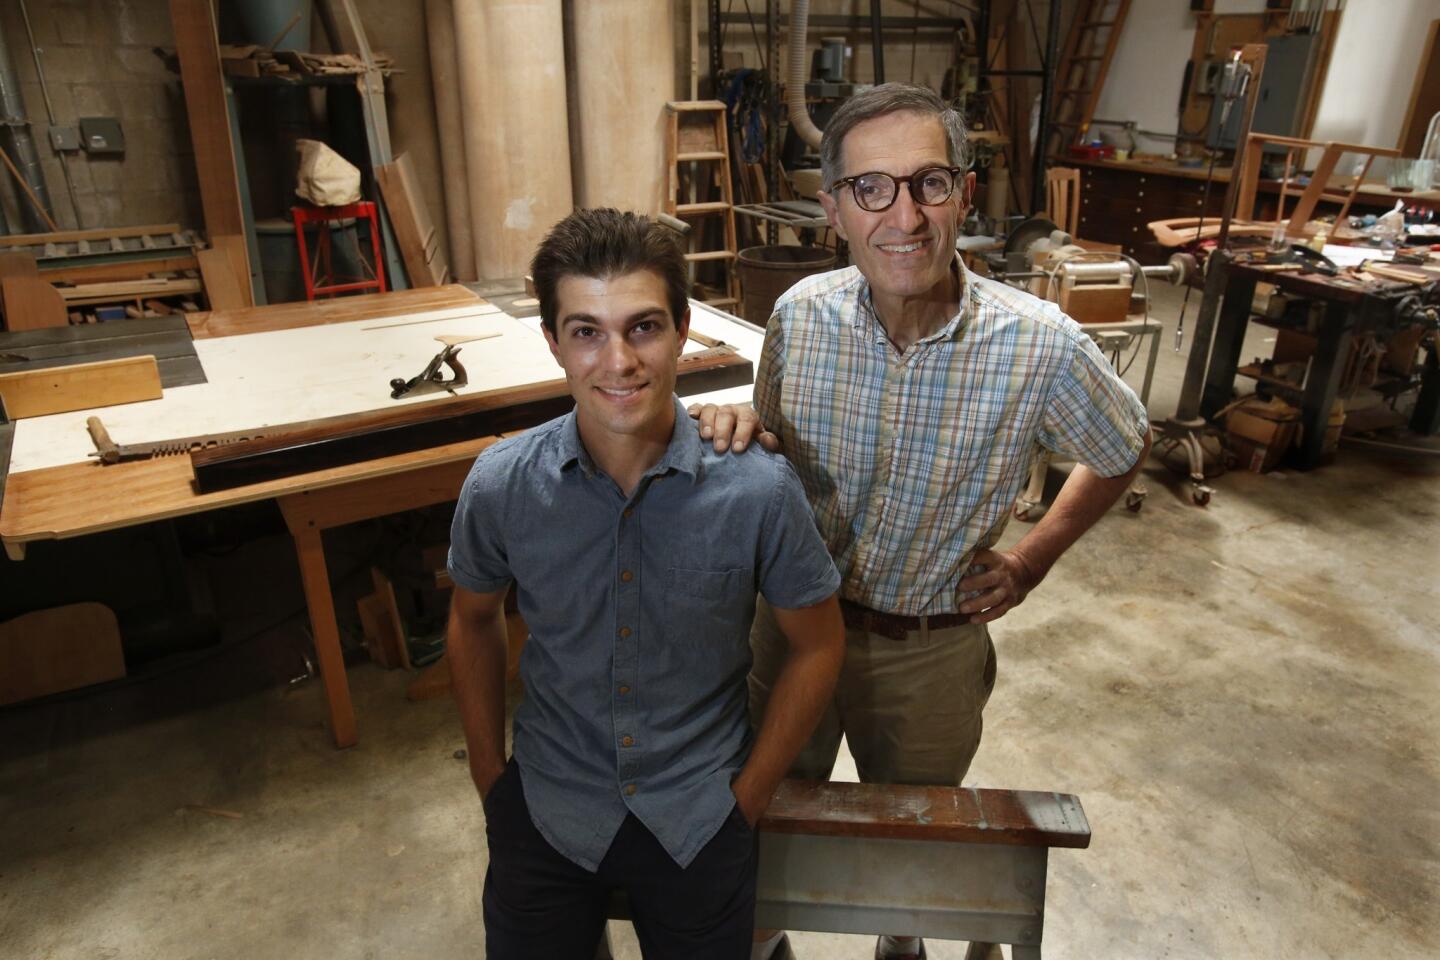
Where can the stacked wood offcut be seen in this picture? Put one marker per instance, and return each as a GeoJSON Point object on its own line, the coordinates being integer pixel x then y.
{"type": "Point", "coordinates": [256, 61]}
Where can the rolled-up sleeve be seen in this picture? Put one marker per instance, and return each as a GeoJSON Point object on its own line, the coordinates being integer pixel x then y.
{"type": "Point", "coordinates": [794, 566]}
{"type": "Point", "coordinates": [478, 560]}
{"type": "Point", "coordinates": [1092, 416]}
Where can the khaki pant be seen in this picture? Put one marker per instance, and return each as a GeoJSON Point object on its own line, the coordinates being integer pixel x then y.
{"type": "Point", "coordinates": [910, 710]}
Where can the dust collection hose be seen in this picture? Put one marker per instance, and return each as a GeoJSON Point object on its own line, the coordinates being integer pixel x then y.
{"type": "Point", "coordinates": [800, 120]}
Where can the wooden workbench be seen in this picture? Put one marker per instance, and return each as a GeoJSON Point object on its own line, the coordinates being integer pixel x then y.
{"type": "Point", "coordinates": [1118, 198]}
{"type": "Point", "coordinates": [81, 497]}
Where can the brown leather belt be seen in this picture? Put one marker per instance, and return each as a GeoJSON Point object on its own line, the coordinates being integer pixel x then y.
{"type": "Point", "coordinates": [894, 625]}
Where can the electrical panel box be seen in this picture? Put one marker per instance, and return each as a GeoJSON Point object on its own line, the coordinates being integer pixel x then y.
{"type": "Point", "coordinates": [102, 135]}
{"type": "Point", "coordinates": [1289, 67]}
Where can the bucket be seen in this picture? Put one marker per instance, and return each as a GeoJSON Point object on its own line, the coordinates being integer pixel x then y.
{"type": "Point", "coordinates": [767, 272]}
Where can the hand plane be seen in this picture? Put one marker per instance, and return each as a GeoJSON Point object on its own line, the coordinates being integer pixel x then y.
{"type": "Point", "coordinates": [432, 378]}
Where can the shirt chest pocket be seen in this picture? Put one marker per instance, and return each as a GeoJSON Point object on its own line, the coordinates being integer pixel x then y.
{"type": "Point", "coordinates": [711, 607]}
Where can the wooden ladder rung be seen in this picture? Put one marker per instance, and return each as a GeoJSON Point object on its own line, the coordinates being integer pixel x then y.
{"type": "Point", "coordinates": [701, 209]}
{"type": "Point", "coordinates": [701, 155]}
{"type": "Point", "coordinates": [694, 106]}
{"type": "Point", "coordinates": [722, 302]}
{"type": "Point", "coordinates": [710, 255]}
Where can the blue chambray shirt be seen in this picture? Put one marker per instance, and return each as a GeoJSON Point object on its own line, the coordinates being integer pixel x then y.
{"type": "Point", "coordinates": [639, 612]}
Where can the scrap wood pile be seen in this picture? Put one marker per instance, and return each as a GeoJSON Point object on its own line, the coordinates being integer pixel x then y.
{"type": "Point", "coordinates": [256, 61]}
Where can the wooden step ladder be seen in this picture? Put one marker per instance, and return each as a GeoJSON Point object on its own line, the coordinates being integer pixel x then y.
{"type": "Point", "coordinates": [1089, 48]}
{"type": "Point", "coordinates": [697, 151]}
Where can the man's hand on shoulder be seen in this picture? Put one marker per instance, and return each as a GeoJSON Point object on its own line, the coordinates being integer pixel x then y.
{"type": "Point", "coordinates": [732, 426]}
{"type": "Point", "coordinates": [1005, 583]}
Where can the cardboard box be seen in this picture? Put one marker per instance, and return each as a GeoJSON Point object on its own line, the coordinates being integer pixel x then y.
{"type": "Point", "coordinates": [1260, 432]}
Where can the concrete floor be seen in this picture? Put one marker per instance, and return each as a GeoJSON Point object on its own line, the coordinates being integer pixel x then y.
{"type": "Point", "coordinates": [1244, 697]}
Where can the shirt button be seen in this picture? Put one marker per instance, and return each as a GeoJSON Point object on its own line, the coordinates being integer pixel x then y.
{"type": "Point", "coordinates": [624, 631]}
{"type": "Point", "coordinates": [627, 576]}
{"type": "Point", "coordinates": [629, 512]}
{"type": "Point", "coordinates": [624, 690]}
{"type": "Point", "coordinates": [627, 741]}
{"type": "Point", "coordinates": [630, 789]}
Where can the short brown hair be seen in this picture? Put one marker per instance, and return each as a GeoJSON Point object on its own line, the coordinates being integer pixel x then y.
{"type": "Point", "coordinates": [881, 101]}
{"type": "Point", "coordinates": [604, 243]}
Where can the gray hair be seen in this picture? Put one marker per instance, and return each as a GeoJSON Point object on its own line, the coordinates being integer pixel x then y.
{"type": "Point", "coordinates": [881, 101]}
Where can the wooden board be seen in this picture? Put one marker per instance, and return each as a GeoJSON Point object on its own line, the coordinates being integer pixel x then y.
{"type": "Point", "coordinates": [198, 49]}
{"type": "Point", "coordinates": [896, 811]}
{"type": "Point", "coordinates": [291, 316]}
{"type": "Point", "coordinates": [338, 441]}
{"type": "Point", "coordinates": [31, 303]}
{"type": "Point", "coordinates": [61, 648]}
{"type": "Point", "coordinates": [37, 393]}
{"type": "Point", "coordinates": [223, 286]}
{"type": "Point", "coordinates": [414, 229]}
{"type": "Point", "coordinates": [71, 236]}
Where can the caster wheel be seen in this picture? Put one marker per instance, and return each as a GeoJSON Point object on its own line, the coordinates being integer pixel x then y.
{"type": "Point", "coordinates": [1022, 513]}
{"type": "Point", "coordinates": [1201, 497]}
{"type": "Point", "coordinates": [1133, 503]}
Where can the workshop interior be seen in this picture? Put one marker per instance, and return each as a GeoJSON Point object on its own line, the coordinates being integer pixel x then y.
{"type": "Point", "coordinates": [264, 297]}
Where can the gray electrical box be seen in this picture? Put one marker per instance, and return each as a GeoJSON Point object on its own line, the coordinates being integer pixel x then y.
{"type": "Point", "coordinates": [65, 138]}
{"type": "Point", "coordinates": [1289, 64]}
{"type": "Point", "coordinates": [102, 135]}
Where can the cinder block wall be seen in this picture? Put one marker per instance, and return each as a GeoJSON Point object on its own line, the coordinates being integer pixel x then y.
{"type": "Point", "coordinates": [97, 59]}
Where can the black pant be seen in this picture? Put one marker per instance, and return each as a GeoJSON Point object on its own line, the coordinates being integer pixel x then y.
{"type": "Point", "coordinates": [541, 906]}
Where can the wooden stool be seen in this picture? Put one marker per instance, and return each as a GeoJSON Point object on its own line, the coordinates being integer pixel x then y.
{"type": "Point", "coordinates": [325, 282]}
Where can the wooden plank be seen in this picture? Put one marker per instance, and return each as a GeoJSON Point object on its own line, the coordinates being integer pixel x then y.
{"type": "Point", "coordinates": [31, 303]}
{"type": "Point", "coordinates": [17, 265]}
{"type": "Point", "coordinates": [1424, 96]}
{"type": "Point", "coordinates": [288, 316]}
{"type": "Point", "coordinates": [37, 393]}
{"type": "Point", "coordinates": [78, 499]}
{"type": "Point", "coordinates": [73, 236]}
{"type": "Point", "coordinates": [412, 222]}
{"type": "Point", "coordinates": [951, 814]}
{"type": "Point", "coordinates": [124, 270]}
{"type": "Point", "coordinates": [200, 73]}
{"type": "Point", "coordinates": [223, 286]}
{"type": "Point", "coordinates": [47, 651]}
{"type": "Point", "coordinates": [355, 438]}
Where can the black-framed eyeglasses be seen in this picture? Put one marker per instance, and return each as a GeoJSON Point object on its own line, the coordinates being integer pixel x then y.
{"type": "Point", "coordinates": [875, 192]}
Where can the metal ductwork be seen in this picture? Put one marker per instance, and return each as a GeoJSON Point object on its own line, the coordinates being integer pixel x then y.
{"type": "Point", "coordinates": [799, 64]}
{"type": "Point", "coordinates": [20, 145]}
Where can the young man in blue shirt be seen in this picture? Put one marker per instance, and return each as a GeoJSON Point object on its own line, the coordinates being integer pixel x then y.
{"type": "Point", "coordinates": [637, 553]}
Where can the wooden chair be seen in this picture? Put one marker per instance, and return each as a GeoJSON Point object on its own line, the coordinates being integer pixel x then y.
{"type": "Point", "coordinates": [1062, 202]}
{"type": "Point", "coordinates": [1062, 198]}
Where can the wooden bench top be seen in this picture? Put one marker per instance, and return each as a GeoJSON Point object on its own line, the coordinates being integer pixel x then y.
{"type": "Point", "coordinates": [954, 814]}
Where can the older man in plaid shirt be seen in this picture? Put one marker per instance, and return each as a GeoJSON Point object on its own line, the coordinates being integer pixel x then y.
{"type": "Point", "coordinates": [911, 395]}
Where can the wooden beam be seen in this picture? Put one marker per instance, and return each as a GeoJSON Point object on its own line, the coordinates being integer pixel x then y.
{"type": "Point", "coordinates": [80, 386]}
{"type": "Point", "coordinates": [201, 75]}
{"type": "Point", "coordinates": [414, 229]}
{"type": "Point", "coordinates": [70, 236]}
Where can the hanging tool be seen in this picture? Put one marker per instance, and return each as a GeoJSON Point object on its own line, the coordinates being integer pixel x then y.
{"type": "Point", "coordinates": [431, 379]}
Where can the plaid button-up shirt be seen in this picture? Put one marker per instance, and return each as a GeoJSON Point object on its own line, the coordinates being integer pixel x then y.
{"type": "Point", "coordinates": [913, 460]}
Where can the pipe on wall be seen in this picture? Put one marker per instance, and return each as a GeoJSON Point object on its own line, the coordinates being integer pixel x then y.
{"type": "Point", "coordinates": [621, 72]}
{"type": "Point", "coordinates": [20, 145]}
{"type": "Point", "coordinates": [798, 62]}
{"type": "Point", "coordinates": [450, 126]}
{"type": "Point", "coordinates": [511, 60]}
